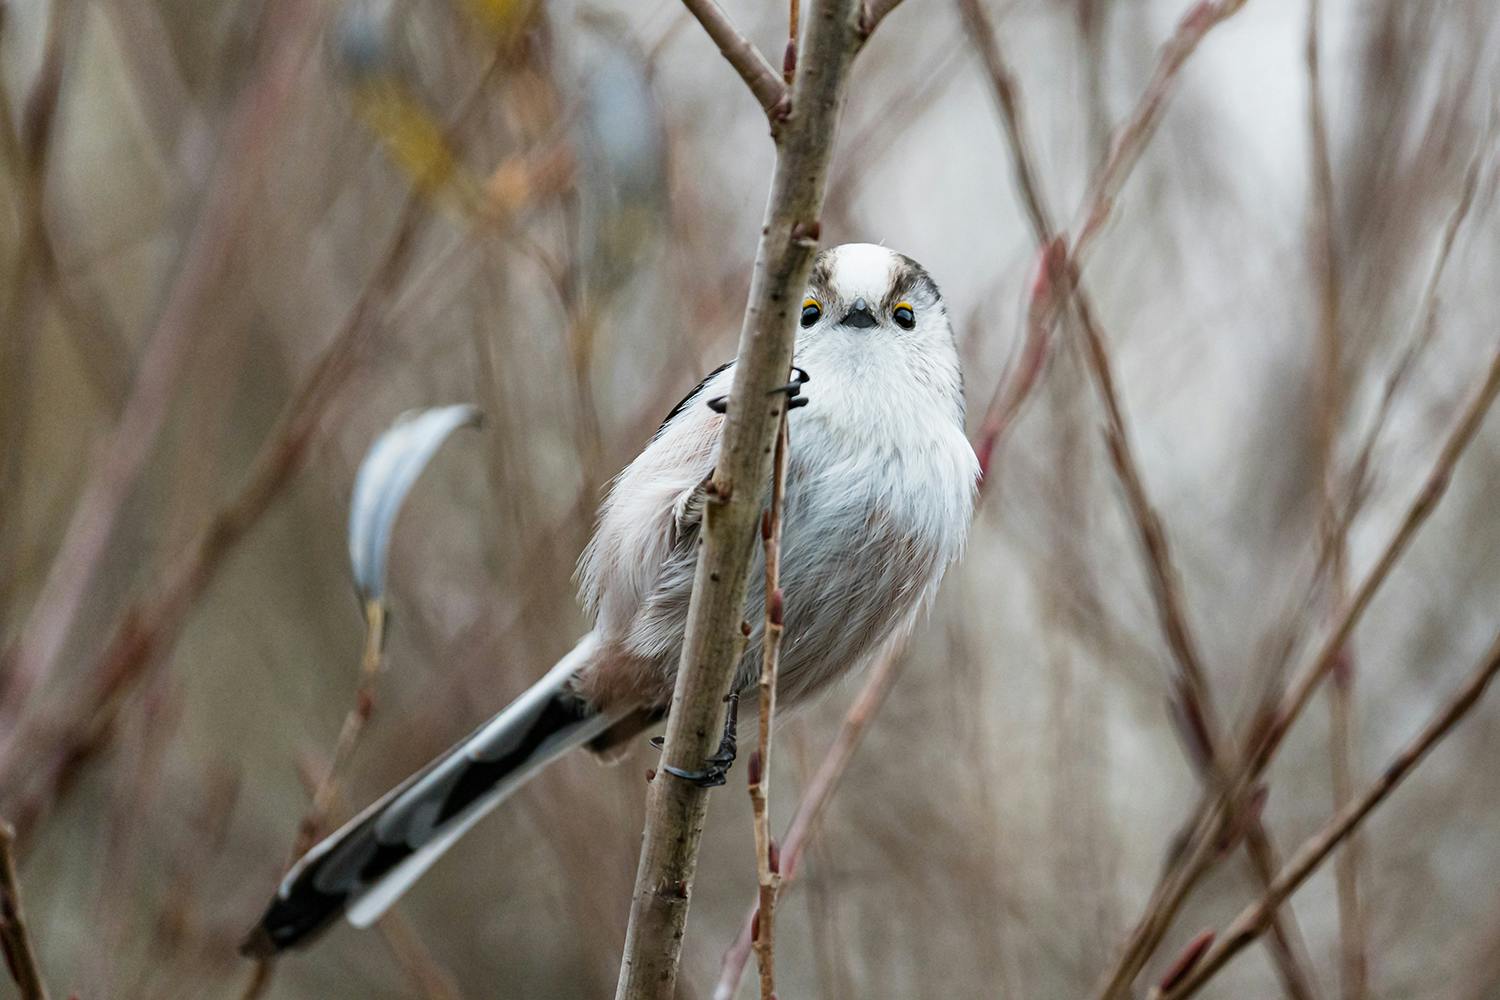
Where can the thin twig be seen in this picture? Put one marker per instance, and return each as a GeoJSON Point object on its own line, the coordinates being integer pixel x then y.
{"type": "Point", "coordinates": [981, 31]}
{"type": "Point", "coordinates": [408, 949]}
{"type": "Point", "coordinates": [259, 982]}
{"type": "Point", "coordinates": [1252, 920]}
{"type": "Point", "coordinates": [1264, 745]}
{"type": "Point", "coordinates": [713, 640]}
{"type": "Point", "coordinates": [793, 30]}
{"type": "Point", "coordinates": [762, 79]}
{"type": "Point", "coordinates": [1425, 332]}
{"type": "Point", "coordinates": [1131, 139]}
{"type": "Point", "coordinates": [1193, 703]}
{"type": "Point", "coordinates": [1274, 723]}
{"type": "Point", "coordinates": [1014, 386]}
{"type": "Point", "coordinates": [1355, 488]}
{"type": "Point", "coordinates": [815, 799]}
{"type": "Point", "coordinates": [1324, 251]}
{"type": "Point", "coordinates": [767, 866]}
{"type": "Point", "coordinates": [315, 820]}
{"type": "Point", "coordinates": [15, 939]}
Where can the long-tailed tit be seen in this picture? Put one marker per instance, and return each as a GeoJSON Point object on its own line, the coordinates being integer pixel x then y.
{"type": "Point", "coordinates": [879, 491]}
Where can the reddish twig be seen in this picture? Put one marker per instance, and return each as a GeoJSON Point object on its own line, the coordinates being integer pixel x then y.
{"type": "Point", "coordinates": [1131, 139]}
{"type": "Point", "coordinates": [1274, 723]}
{"type": "Point", "coordinates": [793, 31]}
{"type": "Point", "coordinates": [1192, 701]}
{"type": "Point", "coordinates": [767, 866]}
{"type": "Point", "coordinates": [1436, 484]}
{"type": "Point", "coordinates": [1252, 921]}
{"type": "Point", "coordinates": [15, 939]}
{"type": "Point", "coordinates": [815, 799]}
{"type": "Point", "coordinates": [1015, 385]}
{"type": "Point", "coordinates": [753, 67]}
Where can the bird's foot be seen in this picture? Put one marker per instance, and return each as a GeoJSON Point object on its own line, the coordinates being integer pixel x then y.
{"type": "Point", "coordinates": [792, 391]}
{"type": "Point", "coordinates": [715, 770]}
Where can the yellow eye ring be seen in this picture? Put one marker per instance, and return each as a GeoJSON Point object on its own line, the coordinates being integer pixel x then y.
{"type": "Point", "coordinates": [811, 312]}
{"type": "Point", "coordinates": [904, 315]}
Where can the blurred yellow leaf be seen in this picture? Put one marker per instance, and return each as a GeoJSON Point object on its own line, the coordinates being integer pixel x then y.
{"type": "Point", "coordinates": [411, 134]}
{"type": "Point", "coordinates": [500, 17]}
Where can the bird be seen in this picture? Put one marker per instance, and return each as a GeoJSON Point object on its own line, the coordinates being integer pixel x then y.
{"type": "Point", "coordinates": [880, 487]}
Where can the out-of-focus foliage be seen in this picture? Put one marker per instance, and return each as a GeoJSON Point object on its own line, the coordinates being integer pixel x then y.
{"type": "Point", "coordinates": [578, 189]}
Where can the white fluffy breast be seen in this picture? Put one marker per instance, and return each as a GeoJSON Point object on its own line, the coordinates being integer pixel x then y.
{"type": "Point", "coordinates": [887, 415]}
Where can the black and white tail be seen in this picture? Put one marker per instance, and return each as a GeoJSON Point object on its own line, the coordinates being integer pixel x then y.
{"type": "Point", "coordinates": [366, 866]}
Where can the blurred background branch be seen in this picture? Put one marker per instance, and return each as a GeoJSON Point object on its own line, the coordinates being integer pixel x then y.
{"type": "Point", "coordinates": [15, 939]}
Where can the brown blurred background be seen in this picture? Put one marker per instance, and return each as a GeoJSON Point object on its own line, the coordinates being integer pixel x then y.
{"type": "Point", "coordinates": [240, 237]}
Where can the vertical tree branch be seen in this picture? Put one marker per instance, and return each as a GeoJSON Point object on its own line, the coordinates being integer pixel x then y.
{"type": "Point", "coordinates": [713, 640]}
{"type": "Point", "coordinates": [15, 940]}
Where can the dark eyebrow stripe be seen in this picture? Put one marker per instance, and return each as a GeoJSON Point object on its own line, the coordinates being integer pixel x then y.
{"type": "Point", "coordinates": [822, 275]}
{"type": "Point", "coordinates": [911, 279]}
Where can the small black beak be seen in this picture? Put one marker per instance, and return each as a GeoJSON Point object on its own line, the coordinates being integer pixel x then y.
{"type": "Point", "coordinates": [860, 316]}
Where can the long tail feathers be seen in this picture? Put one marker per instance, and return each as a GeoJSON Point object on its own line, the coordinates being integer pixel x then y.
{"type": "Point", "coordinates": [364, 867]}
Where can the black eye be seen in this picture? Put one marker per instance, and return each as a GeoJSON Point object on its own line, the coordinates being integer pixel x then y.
{"type": "Point", "coordinates": [810, 313]}
{"type": "Point", "coordinates": [904, 317]}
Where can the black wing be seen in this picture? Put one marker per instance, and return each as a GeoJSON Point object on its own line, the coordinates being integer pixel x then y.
{"type": "Point", "coordinates": [683, 403]}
